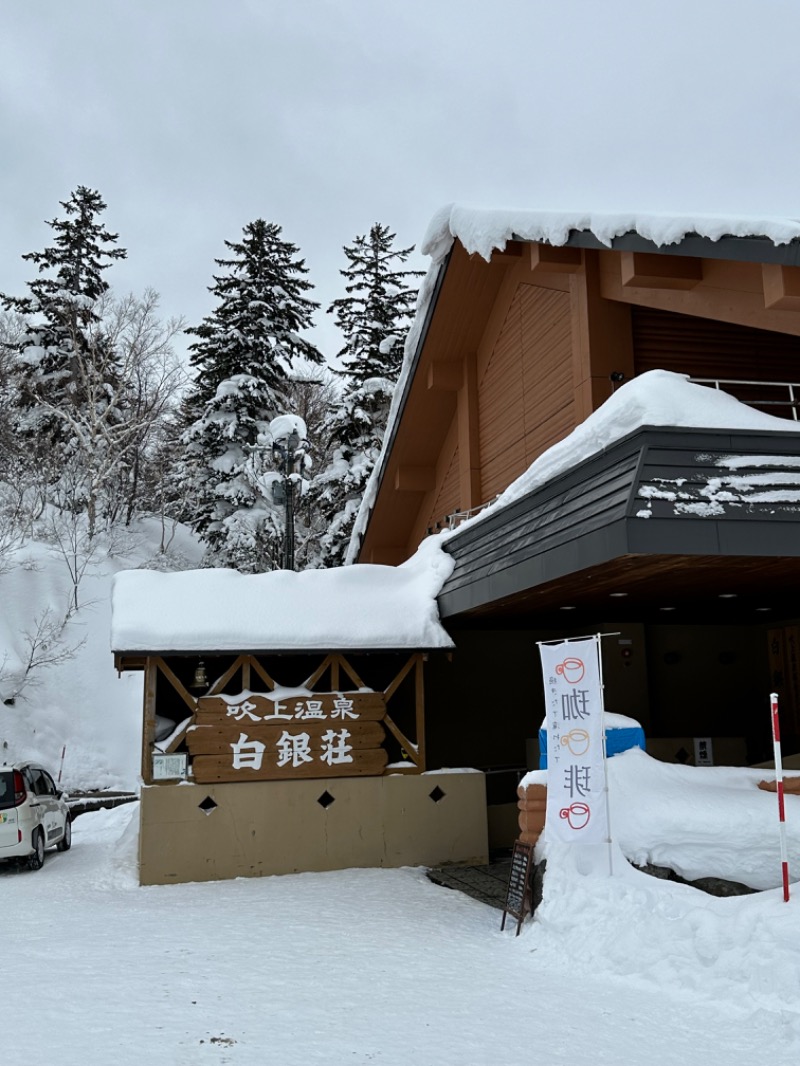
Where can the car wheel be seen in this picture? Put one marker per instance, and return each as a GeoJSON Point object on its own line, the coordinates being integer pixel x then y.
{"type": "Point", "coordinates": [65, 843]}
{"type": "Point", "coordinates": [36, 860]}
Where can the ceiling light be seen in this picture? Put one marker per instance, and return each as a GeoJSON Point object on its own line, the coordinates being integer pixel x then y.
{"type": "Point", "coordinates": [763, 608]}
{"type": "Point", "coordinates": [667, 608]}
{"type": "Point", "coordinates": [618, 594]}
{"type": "Point", "coordinates": [566, 608]}
{"type": "Point", "coordinates": [728, 595]}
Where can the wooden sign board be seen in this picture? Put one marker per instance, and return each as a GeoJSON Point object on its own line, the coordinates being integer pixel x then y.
{"type": "Point", "coordinates": [213, 740]}
{"type": "Point", "coordinates": [367, 762]}
{"type": "Point", "coordinates": [518, 893]}
{"type": "Point", "coordinates": [252, 707]}
{"type": "Point", "coordinates": [258, 737]}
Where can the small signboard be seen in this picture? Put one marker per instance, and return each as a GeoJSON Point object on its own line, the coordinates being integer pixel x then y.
{"type": "Point", "coordinates": [703, 751]}
{"type": "Point", "coordinates": [518, 893]}
{"type": "Point", "coordinates": [169, 767]}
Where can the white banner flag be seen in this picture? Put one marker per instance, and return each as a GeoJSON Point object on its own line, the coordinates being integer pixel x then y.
{"type": "Point", "coordinates": [576, 797]}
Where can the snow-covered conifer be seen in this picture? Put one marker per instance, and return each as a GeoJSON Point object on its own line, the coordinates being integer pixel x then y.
{"type": "Point", "coordinates": [55, 353]}
{"type": "Point", "coordinates": [375, 314]}
{"type": "Point", "coordinates": [374, 317]}
{"type": "Point", "coordinates": [245, 351]}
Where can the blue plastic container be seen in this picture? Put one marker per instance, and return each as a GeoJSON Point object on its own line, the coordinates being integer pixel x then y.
{"type": "Point", "coordinates": [618, 738]}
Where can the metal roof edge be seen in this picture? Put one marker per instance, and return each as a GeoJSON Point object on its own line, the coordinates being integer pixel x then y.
{"type": "Point", "coordinates": [642, 437]}
{"type": "Point", "coordinates": [756, 249]}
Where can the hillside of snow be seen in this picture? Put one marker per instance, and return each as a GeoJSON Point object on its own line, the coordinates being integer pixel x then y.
{"type": "Point", "coordinates": [77, 706]}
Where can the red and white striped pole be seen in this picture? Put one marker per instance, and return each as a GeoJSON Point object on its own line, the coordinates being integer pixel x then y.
{"type": "Point", "coordinates": [776, 743]}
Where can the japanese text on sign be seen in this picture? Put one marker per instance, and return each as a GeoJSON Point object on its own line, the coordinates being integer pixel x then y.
{"type": "Point", "coordinates": [576, 797]}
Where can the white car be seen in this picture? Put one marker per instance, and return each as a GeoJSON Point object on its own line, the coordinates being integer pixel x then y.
{"type": "Point", "coordinates": [33, 814]}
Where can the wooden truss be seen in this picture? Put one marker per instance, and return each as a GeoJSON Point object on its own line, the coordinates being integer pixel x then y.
{"type": "Point", "coordinates": [332, 668]}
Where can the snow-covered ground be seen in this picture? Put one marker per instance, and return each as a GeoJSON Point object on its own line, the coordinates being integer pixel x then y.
{"type": "Point", "coordinates": [381, 966]}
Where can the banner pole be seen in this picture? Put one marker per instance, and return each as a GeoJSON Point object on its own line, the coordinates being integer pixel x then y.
{"type": "Point", "coordinates": [599, 646]}
{"type": "Point", "coordinates": [776, 744]}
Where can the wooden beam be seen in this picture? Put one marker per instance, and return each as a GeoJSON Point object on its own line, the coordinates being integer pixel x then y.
{"type": "Point", "coordinates": [350, 671]}
{"type": "Point", "coordinates": [149, 722]}
{"type": "Point", "coordinates": [129, 662]}
{"type": "Point", "coordinates": [320, 670]}
{"type": "Point", "coordinates": [602, 339]}
{"type": "Point", "coordinates": [469, 473]}
{"type": "Point", "coordinates": [179, 737]}
{"type": "Point", "coordinates": [262, 673]}
{"type": "Point", "coordinates": [395, 684]}
{"type": "Point", "coordinates": [223, 680]}
{"type": "Point", "coordinates": [415, 478]}
{"type": "Point", "coordinates": [649, 270]}
{"type": "Point", "coordinates": [419, 695]}
{"type": "Point", "coordinates": [781, 286]}
{"type": "Point", "coordinates": [177, 684]}
{"type": "Point", "coordinates": [510, 254]}
{"type": "Point", "coordinates": [408, 747]}
{"type": "Point", "coordinates": [445, 375]}
{"type": "Point", "coordinates": [548, 259]}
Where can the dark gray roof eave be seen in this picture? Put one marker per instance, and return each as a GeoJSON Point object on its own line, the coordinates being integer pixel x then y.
{"type": "Point", "coordinates": [740, 249]}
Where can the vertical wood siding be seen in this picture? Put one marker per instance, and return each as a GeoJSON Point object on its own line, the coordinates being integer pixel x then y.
{"type": "Point", "coordinates": [526, 393]}
{"type": "Point", "coordinates": [447, 498]}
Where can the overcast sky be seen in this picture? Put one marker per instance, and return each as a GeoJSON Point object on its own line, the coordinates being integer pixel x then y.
{"type": "Point", "coordinates": [194, 117]}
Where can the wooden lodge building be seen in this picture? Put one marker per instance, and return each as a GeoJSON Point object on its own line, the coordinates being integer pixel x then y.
{"type": "Point", "coordinates": [528, 325]}
{"type": "Point", "coordinates": [680, 541]}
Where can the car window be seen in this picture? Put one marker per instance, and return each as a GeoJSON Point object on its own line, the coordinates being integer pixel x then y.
{"type": "Point", "coordinates": [38, 783]}
{"type": "Point", "coordinates": [49, 783]}
{"type": "Point", "coordinates": [6, 789]}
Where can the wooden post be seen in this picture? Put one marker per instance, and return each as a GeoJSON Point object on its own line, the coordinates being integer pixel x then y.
{"type": "Point", "coordinates": [149, 723]}
{"type": "Point", "coordinates": [420, 708]}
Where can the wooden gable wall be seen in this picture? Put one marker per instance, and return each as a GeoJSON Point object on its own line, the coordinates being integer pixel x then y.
{"type": "Point", "coordinates": [522, 349]}
{"type": "Point", "coordinates": [526, 395]}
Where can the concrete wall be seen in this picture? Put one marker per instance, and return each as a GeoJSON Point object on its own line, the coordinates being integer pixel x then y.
{"type": "Point", "coordinates": [279, 827]}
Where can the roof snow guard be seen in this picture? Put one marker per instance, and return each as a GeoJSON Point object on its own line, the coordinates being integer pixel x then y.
{"type": "Point", "coordinates": [355, 608]}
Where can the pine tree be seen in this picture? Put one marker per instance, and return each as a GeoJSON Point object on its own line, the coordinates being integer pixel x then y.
{"type": "Point", "coordinates": [58, 347]}
{"type": "Point", "coordinates": [356, 431]}
{"type": "Point", "coordinates": [376, 313]}
{"type": "Point", "coordinates": [374, 316]}
{"type": "Point", "coordinates": [242, 360]}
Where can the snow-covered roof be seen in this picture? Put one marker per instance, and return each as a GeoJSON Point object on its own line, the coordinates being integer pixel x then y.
{"type": "Point", "coordinates": [364, 607]}
{"type": "Point", "coordinates": [484, 230]}
{"type": "Point", "coordinates": [657, 398]}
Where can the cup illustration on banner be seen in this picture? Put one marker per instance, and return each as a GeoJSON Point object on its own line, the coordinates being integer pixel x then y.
{"type": "Point", "coordinates": [572, 670]}
{"type": "Point", "coordinates": [576, 741]}
{"type": "Point", "coordinates": [577, 814]}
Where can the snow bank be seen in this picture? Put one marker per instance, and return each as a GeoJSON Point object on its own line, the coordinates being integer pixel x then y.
{"type": "Point", "coordinates": [358, 607]}
{"type": "Point", "coordinates": [699, 821]}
